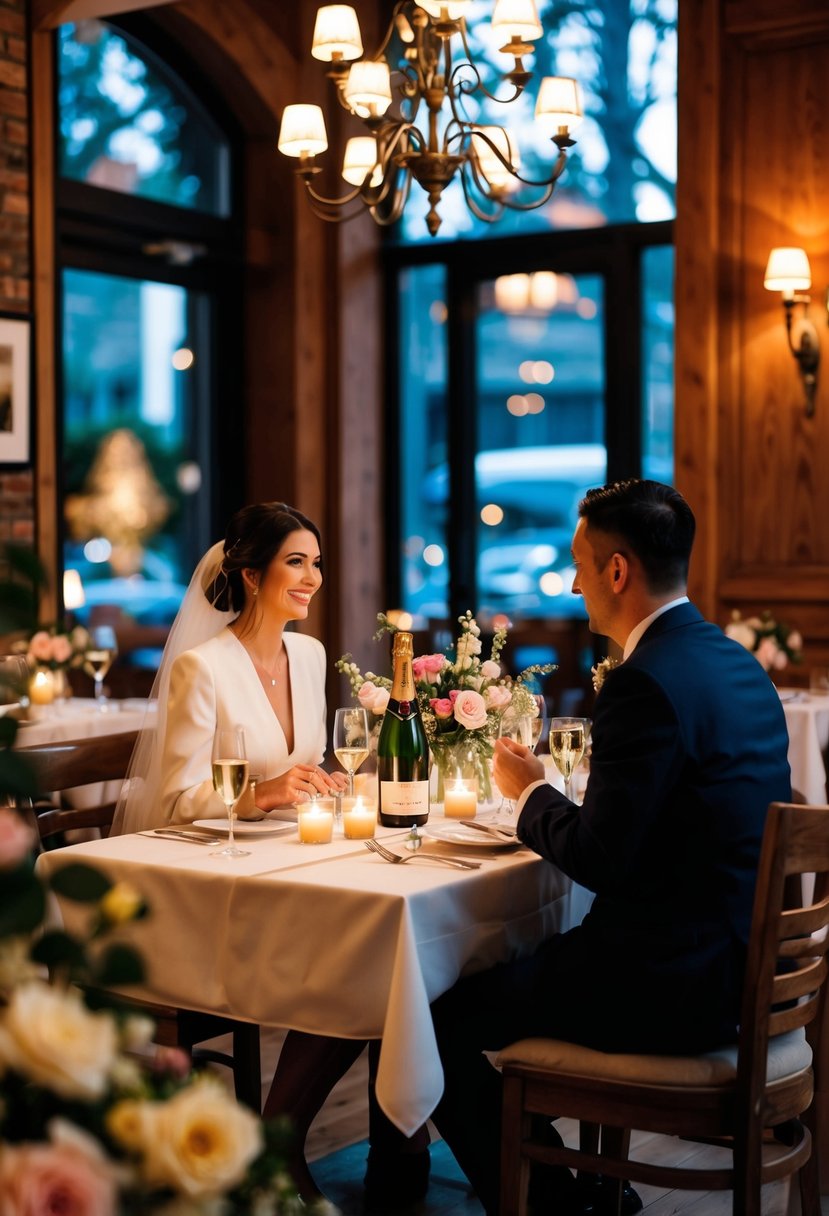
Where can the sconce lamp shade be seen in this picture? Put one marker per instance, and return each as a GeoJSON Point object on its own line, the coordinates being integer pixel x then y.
{"type": "Point", "coordinates": [336, 33]}
{"type": "Point", "coordinates": [449, 10]}
{"type": "Point", "coordinates": [496, 173]}
{"type": "Point", "coordinates": [73, 596]}
{"type": "Point", "coordinates": [788, 270]}
{"type": "Point", "coordinates": [559, 104]}
{"type": "Point", "coordinates": [368, 88]}
{"type": "Point", "coordinates": [358, 159]}
{"type": "Point", "coordinates": [517, 19]}
{"type": "Point", "coordinates": [302, 132]}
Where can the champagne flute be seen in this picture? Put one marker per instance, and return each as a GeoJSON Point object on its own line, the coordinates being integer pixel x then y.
{"type": "Point", "coordinates": [230, 776]}
{"type": "Point", "coordinates": [98, 658]}
{"type": "Point", "coordinates": [538, 722]}
{"type": "Point", "coordinates": [518, 727]}
{"type": "Point", "coordinates": [351, 740]}
{"type": "Point", "coordinates": [567, 741]}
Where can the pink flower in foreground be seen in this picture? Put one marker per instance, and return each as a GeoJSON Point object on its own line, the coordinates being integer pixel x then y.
{"type": "Point", "coordinates": [470, 710]}
{"type": "Point", "coordinates": [441, 707]}
{"type": "Point", "coordinates": [373, 698]}
{"type": "Point", "coordinates": [16, 838]}
{"type": "Point", "coordinates": [61, 649]}
{"type": "Point", "coordinates": [490, 670]}
{"type": "Point", "coordinates": [766, 653]}
{"type": "Point", "coordinates": [40, 1179]}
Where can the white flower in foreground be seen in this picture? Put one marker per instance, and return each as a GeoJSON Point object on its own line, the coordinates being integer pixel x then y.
{"type": "Point", "coordinates": [740, 632]}
{"type": "Point", "coordinates": [201, 1141]}
{"type": "Point", "coordinates": [48, 1035]}
{"type": "Point", "coordinates": [601, 671]}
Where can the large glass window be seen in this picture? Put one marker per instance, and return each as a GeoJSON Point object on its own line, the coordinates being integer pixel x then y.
{"type": "Point", "coordinates": [127, 124]}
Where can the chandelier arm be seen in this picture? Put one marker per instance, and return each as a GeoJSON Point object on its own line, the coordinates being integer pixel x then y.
{"type": "Point", "coordinates": [397, 208]}
{"type": "Point", "coordinates": [398, 8]}
{"type": "Point", "coordinates": [462, 87]}
{"type": "Point", "coordinates": [321, 200]}
{"type": "Point", "coordinates": [472, 202]}
{"type": "Point", "coordinates": [547, 182]}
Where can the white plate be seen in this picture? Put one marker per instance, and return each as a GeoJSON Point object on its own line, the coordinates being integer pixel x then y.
{"type": "Point", "coordinates": [455, 833]}
{"type": "Point", "coordinates": [244, 827]}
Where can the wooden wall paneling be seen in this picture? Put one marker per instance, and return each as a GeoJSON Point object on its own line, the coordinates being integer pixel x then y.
{"type": "Point", "coordinates": [697, 296]}
{"type": "Point", "coordinates": [44, 308]}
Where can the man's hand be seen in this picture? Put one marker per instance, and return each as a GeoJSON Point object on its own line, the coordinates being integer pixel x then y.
{"type": "Point", "coordinates": [515, 767]}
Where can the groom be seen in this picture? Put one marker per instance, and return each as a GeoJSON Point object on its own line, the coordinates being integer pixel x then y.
{"type": "Point", "coordinates": [689, 746]}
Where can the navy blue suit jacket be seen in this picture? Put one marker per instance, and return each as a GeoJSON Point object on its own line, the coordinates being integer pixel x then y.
{"type": "Point", "coordinates": [689, 747]}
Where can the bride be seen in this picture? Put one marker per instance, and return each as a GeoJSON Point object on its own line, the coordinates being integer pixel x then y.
{"type": "Point", "coordinates": [229, 660]}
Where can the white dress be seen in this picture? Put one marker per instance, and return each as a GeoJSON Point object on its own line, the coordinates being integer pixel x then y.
{"type": "Point", "coordinates": [216, 684]}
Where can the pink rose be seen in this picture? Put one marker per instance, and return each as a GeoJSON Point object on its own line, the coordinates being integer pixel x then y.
{"type": "Point", "coordinates": [766, 653]}
{"type": "Point", "coordinates": [40, 647]}
{"type": "Point", "coordinates": [454, 694]}
{"type": "Point", "coordinates": [428, 665]}
{"type": "Point", "coordinates": [441, 707]}
{"type": "Point", "coordinates": [470, 710]}
{"type": "Point", "coordinates": [372, 698]}
{"type": "Point", "coordinates": [16, 838]}
{"type": "Point", "coordinates": [497, 696]}
{"type": "Point", "coordinates": [781, 660]}
{"type": "Point", "coordinates": [61, 649]}
{"type": "Point", "coordinates": [40, 1178]}
{"type": "Point", "coordinates": [490, 670]}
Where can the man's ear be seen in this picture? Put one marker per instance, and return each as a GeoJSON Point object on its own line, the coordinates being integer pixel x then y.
{"type": "Point", "coordinates": [620, 572]}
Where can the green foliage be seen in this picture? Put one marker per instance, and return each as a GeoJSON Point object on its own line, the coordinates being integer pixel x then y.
{"type": "Point", "coordinates": [81, 883]}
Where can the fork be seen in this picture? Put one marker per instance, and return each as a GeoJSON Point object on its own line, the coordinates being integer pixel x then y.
{"type": "Point", "coordinates": [455, 862]}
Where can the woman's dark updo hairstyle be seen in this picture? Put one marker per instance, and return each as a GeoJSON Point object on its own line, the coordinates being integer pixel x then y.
{"type": "Point", "coordinates": [254, 536]}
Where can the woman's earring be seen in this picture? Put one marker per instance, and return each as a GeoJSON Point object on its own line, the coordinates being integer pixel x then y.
{"type": "Point", "coordinates": [256, 591]}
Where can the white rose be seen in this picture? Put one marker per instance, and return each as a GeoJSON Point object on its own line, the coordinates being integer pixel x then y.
{"type": "Point", "coordinates": [742, 633]}
{"type": "Point", "coordinates": [49, 1036]}
{"type": "Point", "coordinates": [497, 696]}
{"type": "Point", "coordinates": [490, 670]}
{"type": "Point", "coordinates": [201, 1141]}
{"type": "Point", "coordinates": [470, 710]}
{"type": "Point", "coordinates": [795, 641]}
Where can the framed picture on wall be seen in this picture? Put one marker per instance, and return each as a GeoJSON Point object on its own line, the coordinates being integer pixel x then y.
{"type": "Point", "coordinates": [15, 403]}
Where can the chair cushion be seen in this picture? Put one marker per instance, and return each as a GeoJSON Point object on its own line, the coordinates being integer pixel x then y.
{"type": "Point", "coordinates": [788, 1054]}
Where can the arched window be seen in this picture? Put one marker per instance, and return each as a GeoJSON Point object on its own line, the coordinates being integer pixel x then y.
{"type": "Point", "coordinates": [149, 251]}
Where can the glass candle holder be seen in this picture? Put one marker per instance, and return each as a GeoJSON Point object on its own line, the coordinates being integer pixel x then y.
{"type": "Point", "coordinates": [359, 818]}
{"type": "Point", "coordinates": [315, 823]}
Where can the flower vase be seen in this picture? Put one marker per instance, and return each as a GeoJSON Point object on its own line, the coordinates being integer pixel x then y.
{"type": "Point", "coordinates": [463, 762]}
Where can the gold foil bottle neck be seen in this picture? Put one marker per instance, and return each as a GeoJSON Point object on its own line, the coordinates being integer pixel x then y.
{"type": "Point", "coordinates": [403, 644]}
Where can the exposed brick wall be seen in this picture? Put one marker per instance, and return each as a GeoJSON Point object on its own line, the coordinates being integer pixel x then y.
{"type": "Point", "coordinates": [16, 487]}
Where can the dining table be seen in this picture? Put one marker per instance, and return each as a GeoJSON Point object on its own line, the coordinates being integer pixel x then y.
{"type": "Point", "coordinates": [807, 721]}
{"type": "Point", "coordinates": [330, 938]}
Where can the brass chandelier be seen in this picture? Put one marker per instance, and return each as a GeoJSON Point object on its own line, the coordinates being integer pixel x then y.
{"type": "Point", "coordinates": [428, 80]}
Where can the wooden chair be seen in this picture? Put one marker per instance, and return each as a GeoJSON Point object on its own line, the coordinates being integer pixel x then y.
{"type": "Point", "coordinates": [78, 762]}
{"type": "Point", "coordinates": [749, 1097]}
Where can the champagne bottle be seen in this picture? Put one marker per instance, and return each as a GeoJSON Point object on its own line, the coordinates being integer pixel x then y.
{"type": "Point", "coordinates": [402, 750]}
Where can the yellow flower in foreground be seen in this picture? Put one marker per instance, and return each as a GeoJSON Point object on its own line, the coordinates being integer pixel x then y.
{"type": "Point", "coordinates": [121, 903]}
{"type": "Point", "coordinates": [201, 1141]}
{"type": "Point", "coordinates": [48, 1035]}
{"type": "Point", "coordinates": [126, 1123]}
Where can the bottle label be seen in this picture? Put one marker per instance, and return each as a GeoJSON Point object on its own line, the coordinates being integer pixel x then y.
{"type": "Point", "coordinates": [404, 798]}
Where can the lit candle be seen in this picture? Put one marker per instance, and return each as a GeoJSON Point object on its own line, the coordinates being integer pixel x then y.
{"type": "Point", "coordinates": [359, 820]}
{"type": "Point", "coordinates": [459, 801]}
{"type": "Point", "coordinates": [42, 687]}
{"type": "Point", "coordinates": [316, 826]}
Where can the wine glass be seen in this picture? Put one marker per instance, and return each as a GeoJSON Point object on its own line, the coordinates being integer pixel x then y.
{"type": "Point", "coordinates": [351, 740]}
{"type": "Point", "coordinates": [567, 742]}
{"type": "Point", "coordinates": [98, 658]}
{"type": "Point", "coordinates": [539, 722]}
{"type": "Point", "coordinates": [230, 776]}
{"type": "Point", "coordinates": [518, 727]}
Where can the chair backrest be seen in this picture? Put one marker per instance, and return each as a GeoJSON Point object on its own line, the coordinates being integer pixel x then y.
{"type": "Point", "coordinates": [77, 762]}
{"type": "Point", "coordinates": [786, 966]}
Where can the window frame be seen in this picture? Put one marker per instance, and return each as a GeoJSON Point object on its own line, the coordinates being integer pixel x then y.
{"type": "Point", "coordinates": [614, 252]}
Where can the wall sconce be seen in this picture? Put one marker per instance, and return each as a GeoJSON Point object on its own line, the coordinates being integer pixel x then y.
{"type": "Point", "coordinates": [788, 271]}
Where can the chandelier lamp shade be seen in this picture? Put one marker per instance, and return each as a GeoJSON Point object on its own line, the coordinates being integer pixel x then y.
{"type": "Point", "coordinates": [418, 97]}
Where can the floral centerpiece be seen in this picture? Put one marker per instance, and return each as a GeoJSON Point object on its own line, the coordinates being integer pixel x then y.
{"type": "Point", "coordinates": [93, 1120]}
{"type": "Point", "coordinates": [461, 697]}
{"type": "Point", "coordinates": [773, 644]}
{"type": "Point", "coordinates": [55, 648]}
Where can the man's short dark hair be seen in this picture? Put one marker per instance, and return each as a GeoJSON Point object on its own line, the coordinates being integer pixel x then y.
{"type": "Point", "coordinates": [651, 520]}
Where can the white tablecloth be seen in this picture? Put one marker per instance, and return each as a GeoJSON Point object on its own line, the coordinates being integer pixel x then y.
{"type": "Point", "coordinates": [80, 718]}
{"type": "Point", "coordinates": [807, 719]}
{"type": "Point", "coordinates": [331, 938]}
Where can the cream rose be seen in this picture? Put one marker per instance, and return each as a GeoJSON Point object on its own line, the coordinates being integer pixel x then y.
{"type": "Point", "coordinates": [49, 1036]}
{"type": "Point", "coordinates": [738, 631]}
{"type": "Point", "coordinates": [201, 1141]}
{"type": "Point", "coordinates": [490, 670]}
{"type": "Point", "coordinates": [497, 696]}
{"type": "Point", "coordinates": [372, 697]}
{"type": "Point", "coordinates": [470, 710]}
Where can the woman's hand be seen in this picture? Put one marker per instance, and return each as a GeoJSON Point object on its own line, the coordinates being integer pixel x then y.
{"type": "Point", "coordinates": [300, 783]}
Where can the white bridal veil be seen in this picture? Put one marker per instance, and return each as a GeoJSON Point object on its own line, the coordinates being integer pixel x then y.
{"type": "Point", "coordinates": [197, 621]}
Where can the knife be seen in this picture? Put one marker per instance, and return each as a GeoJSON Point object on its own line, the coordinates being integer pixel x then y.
{"type": "Point", "coordinates": [501, 833]}
{"type": "Point", "coordinates": [193, 837]}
